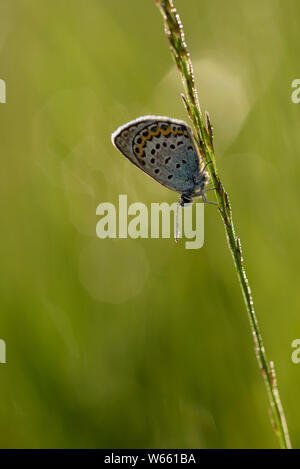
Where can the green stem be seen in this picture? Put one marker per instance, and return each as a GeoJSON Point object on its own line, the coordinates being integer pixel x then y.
{"type": "Point", "coordinates": [203, 135]}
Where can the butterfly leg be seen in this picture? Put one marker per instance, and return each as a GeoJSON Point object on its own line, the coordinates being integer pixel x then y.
{"type": "Point", "coordinates": [207, 201]}
{"type": "Point", "coordinates": [206, 164]}
{"type": "Point", "coordinates": [202, 195]}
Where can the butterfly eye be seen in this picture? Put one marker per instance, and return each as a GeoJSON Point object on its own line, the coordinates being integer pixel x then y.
{"type": "Point", "coordinates": [152, 160]}
{"type": "Point", "coordinates": [156, 171]}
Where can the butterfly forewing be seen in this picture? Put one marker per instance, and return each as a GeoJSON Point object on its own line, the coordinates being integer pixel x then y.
{"type": "Point", "coordinates": [163, 148]}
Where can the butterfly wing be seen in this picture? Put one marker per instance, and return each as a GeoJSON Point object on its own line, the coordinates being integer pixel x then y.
{"type": "Point", "coordinates": [163, 148]}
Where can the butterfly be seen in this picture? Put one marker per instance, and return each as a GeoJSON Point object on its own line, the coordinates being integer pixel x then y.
{"type": "Point", "coordinates": [164, 149]}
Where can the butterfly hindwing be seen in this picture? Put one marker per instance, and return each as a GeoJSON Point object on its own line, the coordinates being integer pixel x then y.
{"type": "Point", "coordinates": [163, 148]}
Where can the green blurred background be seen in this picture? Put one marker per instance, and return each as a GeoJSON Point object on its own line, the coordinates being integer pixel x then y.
{"type": "Point", "coordinates": [142, 343]}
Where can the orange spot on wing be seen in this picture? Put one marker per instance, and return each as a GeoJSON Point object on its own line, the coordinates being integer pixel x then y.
{"type": "Point", "coordinates": [167, 131]}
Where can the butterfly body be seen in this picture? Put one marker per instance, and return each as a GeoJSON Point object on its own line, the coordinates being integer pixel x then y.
{"type": "Point", "coordinates": [164, 149]}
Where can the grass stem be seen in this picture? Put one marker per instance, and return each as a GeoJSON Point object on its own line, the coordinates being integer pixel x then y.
{"type": "Point", "coordinates": [203, 134]}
